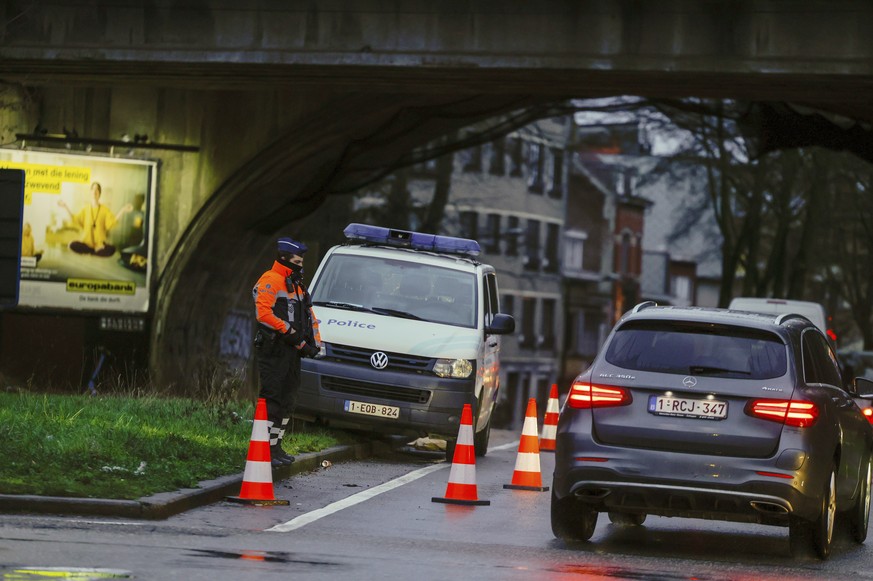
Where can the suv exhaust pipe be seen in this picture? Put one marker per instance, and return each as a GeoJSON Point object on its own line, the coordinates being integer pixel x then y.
{"type": "Point", "coordinates": [591, 494]}
{"type": "Point", "coordinates": [769, 507]}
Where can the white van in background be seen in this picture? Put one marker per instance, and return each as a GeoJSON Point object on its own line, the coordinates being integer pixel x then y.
{"type": "Point", "coordinates": [410, 323]}
{"type": "Point", "coordinates": [812, 311]}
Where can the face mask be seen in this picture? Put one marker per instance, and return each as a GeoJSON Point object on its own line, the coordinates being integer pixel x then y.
{"type": "Point", "coordinates": [296, 273]}
{"type": "Point", "coordinates": [295, 268]}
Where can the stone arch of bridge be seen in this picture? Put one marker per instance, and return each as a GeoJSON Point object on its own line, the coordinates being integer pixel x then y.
{"type": "Point", "coordinates": [229, 242]}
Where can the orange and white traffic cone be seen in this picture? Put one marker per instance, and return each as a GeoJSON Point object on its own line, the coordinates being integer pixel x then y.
{"type": "Point", "coordinates": [527, 474]}
{"type": "Point", "coordinates": [257, 485]}
{"type": "Point", "coordinates": [550, 422]}
{"type": "Point", "coordinates": [462, 479]}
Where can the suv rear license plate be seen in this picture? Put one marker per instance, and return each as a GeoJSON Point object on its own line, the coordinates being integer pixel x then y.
{"type": "Point", "coordinates": [372, 409]}
{"type": "Point", "coordinates": [706, 409]}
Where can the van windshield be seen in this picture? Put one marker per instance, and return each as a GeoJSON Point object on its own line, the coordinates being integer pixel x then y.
{"type": "Point", "coordinates": [398, 288]}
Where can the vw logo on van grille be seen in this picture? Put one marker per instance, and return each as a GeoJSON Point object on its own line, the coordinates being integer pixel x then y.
{"type": "Point", "coordinates": [379, 360]}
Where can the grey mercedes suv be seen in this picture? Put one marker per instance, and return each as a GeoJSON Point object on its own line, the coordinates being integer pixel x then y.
{"type": "Point", "coordinates": [713, 414]}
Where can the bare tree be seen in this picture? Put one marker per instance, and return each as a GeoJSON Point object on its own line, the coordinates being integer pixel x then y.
{"type": "Point", "coordinates": [850, 243]}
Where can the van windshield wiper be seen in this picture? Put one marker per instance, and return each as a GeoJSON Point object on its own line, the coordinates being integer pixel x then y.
{"type": "Point", "coordinates": [341, 305]}
{"type": "Point", "coordinates": [395, 313]}
{"type": "Point", "coordinates": [706, 370]}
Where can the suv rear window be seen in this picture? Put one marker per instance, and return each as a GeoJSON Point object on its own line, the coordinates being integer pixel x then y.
{"type": "Point", "coordinates": [688, 349]}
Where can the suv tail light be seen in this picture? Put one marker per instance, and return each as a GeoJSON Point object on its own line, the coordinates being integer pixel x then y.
{"type": "Point", "coordinates": [586, 395]}
{"type": "Point", "coordinates": [800, 414]}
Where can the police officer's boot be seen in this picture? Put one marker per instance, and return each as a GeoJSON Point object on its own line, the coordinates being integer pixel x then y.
{"type": "Point", "coordinates": [278, 457]}
{"type": "Point", "coordinates": [282, 454]}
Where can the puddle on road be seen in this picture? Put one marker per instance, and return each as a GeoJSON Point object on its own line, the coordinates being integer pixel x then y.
{"type": "Point", "coordinates": [262, 556]}
{"type": "Point", "coordinates": [77, 573]}
{"type": "Point", "coordinates": [593, 572]}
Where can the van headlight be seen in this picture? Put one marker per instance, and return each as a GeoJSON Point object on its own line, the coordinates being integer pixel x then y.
{"type": "Point", "coordinates": [457, 368]}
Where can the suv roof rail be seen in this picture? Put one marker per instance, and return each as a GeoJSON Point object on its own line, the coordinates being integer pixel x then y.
{"type": "Point", "coordinates": [644, 305]}
{"type": "Point", "coordinates": [785, 316]}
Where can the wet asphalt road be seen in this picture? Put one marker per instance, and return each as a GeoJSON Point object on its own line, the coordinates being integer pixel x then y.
{"type": "Point", "coordinates": [355, 522]}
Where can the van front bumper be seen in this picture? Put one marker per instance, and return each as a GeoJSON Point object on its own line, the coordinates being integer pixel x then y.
{"type": "Point", "coordinates": [427, 404]}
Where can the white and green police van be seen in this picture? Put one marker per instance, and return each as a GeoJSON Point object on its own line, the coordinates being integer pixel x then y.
{"type": "Point", "coordinates": [411, 329]}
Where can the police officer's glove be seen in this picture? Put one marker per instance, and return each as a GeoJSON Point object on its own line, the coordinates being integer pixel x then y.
{"type": "Point", "coordinates": [307, 350]}
{"type": "Point", "coordinates": [289, 337]}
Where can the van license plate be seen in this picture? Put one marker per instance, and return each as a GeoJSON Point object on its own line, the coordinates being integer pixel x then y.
{"type": "Point", "coordinates": [372, 409]}
{"type": "Point", "coordinates": [706, 409]}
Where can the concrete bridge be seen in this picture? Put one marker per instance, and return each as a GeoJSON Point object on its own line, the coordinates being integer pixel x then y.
{"type": "Point", "coordinates": [291, 103]}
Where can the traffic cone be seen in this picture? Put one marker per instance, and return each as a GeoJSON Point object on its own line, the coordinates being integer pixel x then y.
{"type": "Point", "coordinates": [257, 485]}
{"type": "Point", "coordinates": [527, 474]}
{"type": "Point", "coordinates": [462, 479]}
{"type": "Point", "coordinates": [550, 422]}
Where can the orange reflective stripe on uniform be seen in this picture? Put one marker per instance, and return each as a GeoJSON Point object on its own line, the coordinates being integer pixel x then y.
{"type": "Point", "coordinates": [269, 289]}
{"type": "Point", "coordinates": [315, 331]}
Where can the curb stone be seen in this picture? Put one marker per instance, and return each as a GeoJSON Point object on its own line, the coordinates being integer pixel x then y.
{"type": "Point", "coordinates": [166, 504]}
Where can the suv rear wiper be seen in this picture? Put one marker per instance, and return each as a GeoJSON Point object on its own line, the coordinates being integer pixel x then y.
{"type": "Point", "coordinates": [341, 305]}
{"type": "Point", "coordinates": [395, 313]}
{"type": "Point", "coordinates": [705, 370]}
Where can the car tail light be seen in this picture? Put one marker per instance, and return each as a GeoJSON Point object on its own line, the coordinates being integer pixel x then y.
{"type": "Point", "coordinates": [586, 395]}
{"type": "Point", "coordinates": [774, 474]}
{"type": "Point", "coordinates": [868, 413]}
{"type": "Point", "coordinates": [800, 414]}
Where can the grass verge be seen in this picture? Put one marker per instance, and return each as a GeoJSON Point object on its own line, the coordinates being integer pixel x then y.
{"type": "Point", "coordinates": [127, 447]}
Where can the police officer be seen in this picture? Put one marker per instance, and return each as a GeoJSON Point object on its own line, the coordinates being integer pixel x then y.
{"type": "Point", "coordinates": [287, 331]}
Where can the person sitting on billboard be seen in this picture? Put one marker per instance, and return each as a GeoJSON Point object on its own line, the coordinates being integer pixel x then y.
{"type": "Point", "coordinates": [95, 220]}
{"type": "Point", "coordinates": [28, 244]}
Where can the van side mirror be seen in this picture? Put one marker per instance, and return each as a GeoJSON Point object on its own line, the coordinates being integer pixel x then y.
{"type": "Point", "coordinates": [501, 324]}
{"type": "Point", "coordinates": [864, 387]}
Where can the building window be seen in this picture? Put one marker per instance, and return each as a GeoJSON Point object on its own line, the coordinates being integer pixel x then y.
{"type": "Point", "coordinates": [532, 245]}
{"type": "Point", "coordinates": [425, 169]}
{"type": "Point", "coordinates": [512, 233]}
{"type": "Point", "coordinates": [542, 392]}
{"type": "Point", "coordinates": [547, 326]}
{"type": "Point", "coordinates": [515, 395]}
{"type": "Point", "coordinates": [625, 254]}
{"type": "Point", "coordinates": [535, 162]}
{"type": "Point", "coordinates": [515, 158]}
{"type": "Point", "coordinates": [497, 166]}
{"type": "Point", "coordinates": [680, 287]}
{"type": "Point", "coordinates": [528, 314]}
{"type": "Point", "coordinates": [507, 305]}
{"type": "Point", "coordinates": [473, 161]}
{"type": "Point", "coordinates": [550, 262]}
{"type": "Point", "coordinates": [574, 250]}
{"type": "Point", "coordinates": [469, 225]}
{"type": "Point", "coordinates": [585, 336]}
{"type": "Point", "coordinates": [556, 189]}
{"type": "Point", "coordinates": [491, 237]}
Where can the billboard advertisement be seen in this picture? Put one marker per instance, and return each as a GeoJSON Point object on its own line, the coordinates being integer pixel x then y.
{"type": "Point", "coordinates": [86, 236]}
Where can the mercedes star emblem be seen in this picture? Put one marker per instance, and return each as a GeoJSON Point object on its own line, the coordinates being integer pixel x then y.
{"type": "Point", "coordinates": [687, 382]}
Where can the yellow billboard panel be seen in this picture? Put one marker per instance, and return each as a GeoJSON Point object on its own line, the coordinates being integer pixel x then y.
{"type": "Point", "coordinates": [47, 179]}
{"type": "Point", "coordinates": [86, 237]}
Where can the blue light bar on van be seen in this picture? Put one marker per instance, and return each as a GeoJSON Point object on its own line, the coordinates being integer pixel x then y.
{"type": "Point", "coordinates": [414, 240]}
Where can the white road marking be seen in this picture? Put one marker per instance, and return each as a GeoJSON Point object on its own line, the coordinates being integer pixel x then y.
{"type": "Point", "coordinates": [360, 497]}
{"type": "Point", "coordinates": [337, 506]}
{"type": "Point", "coordinates": [106, 522]}
{"type": "Point", "coordinates": [504, 446]}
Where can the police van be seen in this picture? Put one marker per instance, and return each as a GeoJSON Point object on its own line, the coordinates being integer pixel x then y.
{"type": "Point", "coordinates": [812, 311]}
{"type": "Point", "coordinates": [411, 328]}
